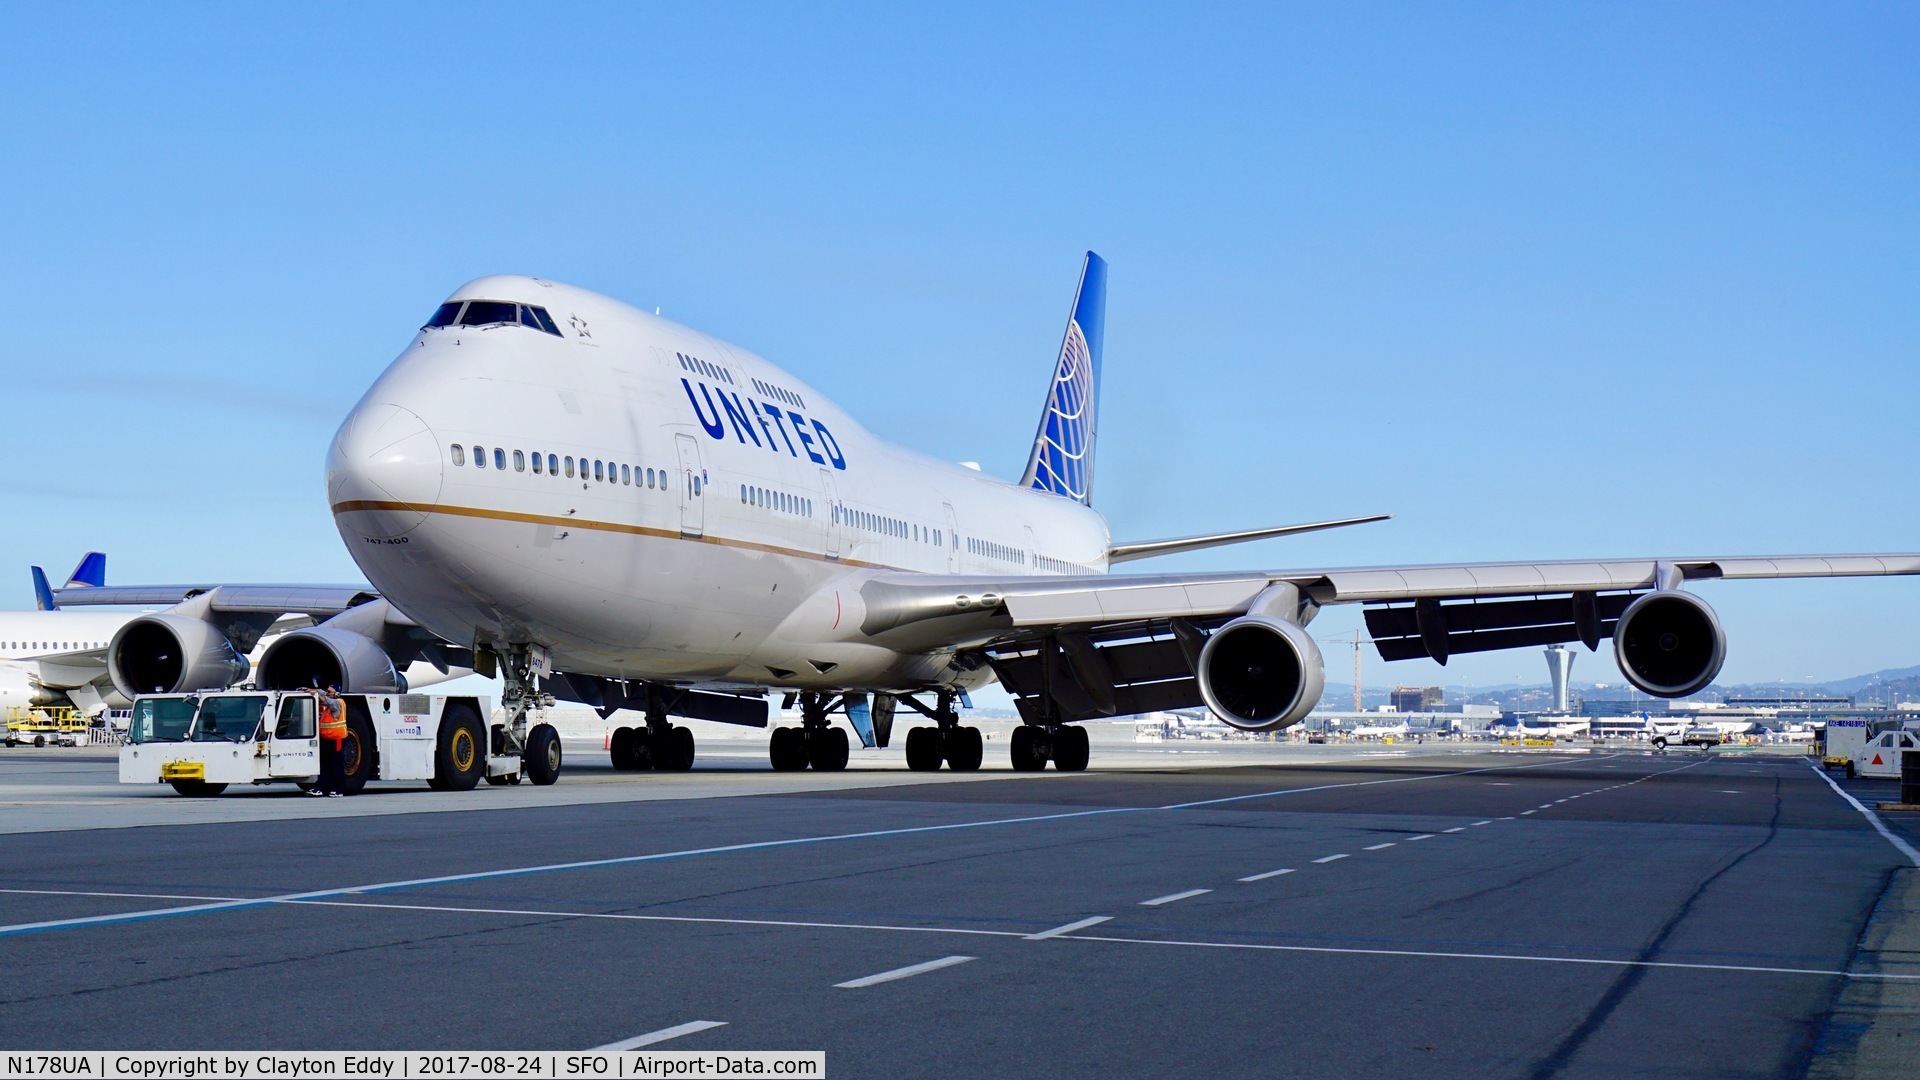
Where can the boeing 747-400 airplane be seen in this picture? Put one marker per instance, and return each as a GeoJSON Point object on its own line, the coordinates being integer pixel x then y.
{"type": "Point", "coordinates": [623, 511]}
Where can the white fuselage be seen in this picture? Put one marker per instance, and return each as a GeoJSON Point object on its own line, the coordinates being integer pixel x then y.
{"type": "Point", "coordinates": [712, 518]}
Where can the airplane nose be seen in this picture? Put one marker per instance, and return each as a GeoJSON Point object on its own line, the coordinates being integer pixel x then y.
{"type": "Point", "coordinates": [385, 469]}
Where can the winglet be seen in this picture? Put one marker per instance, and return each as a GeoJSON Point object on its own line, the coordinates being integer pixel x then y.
{"type": "Point", "coordinates": [42, 592]}
{"type": "Point", "coordinates": [91, 573]}
{"type": "Point", "coordinates": [1062, 458]}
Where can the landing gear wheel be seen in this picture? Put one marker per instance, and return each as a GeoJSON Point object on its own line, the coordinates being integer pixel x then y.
{"type": "Point", "coordinates": [628, 749]}
{"type": "Point", "coordinates": [924, 749]}
{"type": "Point", "coordinates": [458, 763]}
{"type": "Point", "coordinates": [827, 749]}
{"type": "Point", "coordinates": [673, 750]}
{"type": "Point", "coordinates": [1070, 750]}
{"type": "Point", "coordinates": [1028, 749]}
{"type": "Point", "coordinates": [787, 749]}
{"type": "Point", "coordinates": [964, 748]}
{"type": "Point", "coordinates": [352, 763]}
{"type": "Point", "coordinates": [540, 762]}
{"type": "Point", "coordinates": [195, 789]}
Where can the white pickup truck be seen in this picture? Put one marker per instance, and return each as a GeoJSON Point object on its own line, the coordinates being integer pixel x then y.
{"type": "Point", "coordinates": [202, 742]}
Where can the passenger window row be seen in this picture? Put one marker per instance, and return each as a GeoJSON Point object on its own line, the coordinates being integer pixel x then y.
{"type": "Point", "coordinates": [1059, 566]}
{"type": "Point", "coordinates": [991, 550]}
{"type": "Point", "coordinates": [787, 396]}
{"type": "Point", "coordinates": [64, 646]}
{"type": "Point", "coordinates": [886, 526]}
{"type": "Point", "coordinates": [492, 313]}
{"type": "Point", "coordinates": [701, 367]}
{"type": "Point", "coordinates": [554, 465]}
{"type": "Point", "coordinates": [778, 501]}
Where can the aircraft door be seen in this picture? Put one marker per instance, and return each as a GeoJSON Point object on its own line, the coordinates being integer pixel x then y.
{"type": "Point", "coordinates": [952, 538]}
{"type": "Point", "coordinates": [293, 738]}
{"type": "Point", "coordinates": [693, 484]}
{"type": "Point", "coordinates": [830, 514]}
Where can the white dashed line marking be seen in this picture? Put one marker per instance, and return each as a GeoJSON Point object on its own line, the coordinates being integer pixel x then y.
{"type": "Point", "coordinates": [1456, 828]}
{"type": "Point", "coordinates": [1378, 847]}
{"type": "Point", "coordinates": [1268, 874]}
{"type": "Point", "coordinates": [1503, 819]}
{"type": "Point", "coordinates": [662, 1035]}
{"type": "Point", "coordinates": [1483, 822]}
{"type": "Point", "coordinates": [1330, 858]}
{"type": "Point", "coordinates": [1171, 897]}
{"type": "Point", "coordinates": [1524, 813]}
{"type": "Point", "coordinates": [1422, 836]}
{"type": "Point", "coordinates": [902, 973]}
{"type": "Point", "coordinates": [1060, 931]}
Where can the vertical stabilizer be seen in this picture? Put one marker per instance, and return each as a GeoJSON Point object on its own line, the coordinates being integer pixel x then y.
{"type": "Point", "coordinates": [1062, 459]}
{"type": "Point", "coordinates": [42, 592]}
{"type": "Point", "coordinates": [91, 571]}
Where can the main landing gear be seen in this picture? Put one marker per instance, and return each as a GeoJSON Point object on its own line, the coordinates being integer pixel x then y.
{"type": "Point", "coordinates": [815, 742]}
{"type": "Point", "coordinates": [1033, 745]}
{"type": "Point", "coordinates": [661, 745]}
{"type": "Point", "coordinates": [961, 748]}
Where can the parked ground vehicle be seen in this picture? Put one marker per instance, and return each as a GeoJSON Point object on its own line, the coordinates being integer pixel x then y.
{"type": "Point", "coordinates": [1700, 736]}
{"type": "Point", "coordinates": [45, 727]}
{"type": "Point", "coordinates": [202, 742]}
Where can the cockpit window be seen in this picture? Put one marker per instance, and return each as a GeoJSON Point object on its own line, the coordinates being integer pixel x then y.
{"type": "Point", "coordinates": [489, 312]}
{"type": "Point", "coordinates": [494, 313]}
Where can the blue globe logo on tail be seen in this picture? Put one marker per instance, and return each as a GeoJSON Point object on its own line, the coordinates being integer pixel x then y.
{"type": "Point", "coordinates": [1062, 460]}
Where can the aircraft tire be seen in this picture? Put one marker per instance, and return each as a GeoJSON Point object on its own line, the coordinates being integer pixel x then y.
{"type": "Point", "coordinates": [39, 740]}
{"type": "Point", "coordinates": [540, 762]}
{"type": "Point", "coordinates": [197, 789]}
{"type": "Point", "coordinates": [923, 749]}
{"type": "Point", "coordinates": [1070, 749]}
{"type": "Point", "coordinates": [1028, 749]}
{"type": "Point", "coordinates": [827, 751]}
{"type": "Point", "coordinates": [964, 749]}
{"type": "Point", "coordinates": [787, 749]}
{"type": "Point", "coordinates": [459, 757]}
{"type": "Point", "coordinates": [628, 750]}
{"type": "Point", "coordinates": [673, 750]}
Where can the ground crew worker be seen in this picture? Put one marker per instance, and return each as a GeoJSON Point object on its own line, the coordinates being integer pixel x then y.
{"type": "Point", "coordinates": [333, 731]}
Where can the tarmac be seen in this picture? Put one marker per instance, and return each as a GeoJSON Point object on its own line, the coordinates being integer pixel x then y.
{"type": "Point", "coordinates": [1179, 909]}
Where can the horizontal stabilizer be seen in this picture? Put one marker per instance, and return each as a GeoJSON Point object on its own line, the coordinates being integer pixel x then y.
{"type": "Point", "coordinates": [1147, 549]}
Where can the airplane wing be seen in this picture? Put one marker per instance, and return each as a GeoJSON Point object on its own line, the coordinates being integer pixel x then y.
{"type": "Point", "coordinates": [1120, 644]}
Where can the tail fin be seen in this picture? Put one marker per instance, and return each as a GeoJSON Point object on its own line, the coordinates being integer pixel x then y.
{"type": "Point", "coordinates": [92, 571]}
{"type": "Point", "coordinates": [42, 592]}
{"type": "Point", "coordinates": [1062, 460]}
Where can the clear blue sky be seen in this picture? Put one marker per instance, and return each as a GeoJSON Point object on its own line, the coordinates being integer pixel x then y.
{"type": "Point", "coordinates": [1542, 280]}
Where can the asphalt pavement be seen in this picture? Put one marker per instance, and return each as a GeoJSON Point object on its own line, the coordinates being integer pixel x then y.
{"type": "Point", "coordinates": [1535, 914]}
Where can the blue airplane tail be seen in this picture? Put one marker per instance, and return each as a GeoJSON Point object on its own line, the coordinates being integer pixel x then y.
{"type": "Point", "coordinates": [92, 571]}
{"type": "Point", "coordinates": [42, 592]}
{"type": "Point", "coordinates": [1062, 459]}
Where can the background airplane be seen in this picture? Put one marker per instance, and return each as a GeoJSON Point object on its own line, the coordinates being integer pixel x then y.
{"type": "Point", "coordinates": [200, 637]}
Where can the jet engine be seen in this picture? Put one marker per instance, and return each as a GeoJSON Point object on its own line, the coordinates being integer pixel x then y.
{"type": "Point", "coordinates": [1261, 673]}
{"type": "Point", "coordinates": [323, 656]}
{"type": "Point", "coordinates": [168, 653]}
{"type": "Point", "coordinates": [1669, 643]}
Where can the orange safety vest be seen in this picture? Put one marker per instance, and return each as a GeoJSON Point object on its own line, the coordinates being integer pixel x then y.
{"type": "Point", "coordinates": [333, 722]}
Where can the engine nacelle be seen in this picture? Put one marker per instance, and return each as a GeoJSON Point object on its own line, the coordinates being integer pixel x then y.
{"type": "Point", "coordinates": [1260, 673]}
{"type": "Point", "coordinates": [323, 656]}
{"type": "Point", "coordinates": [169, 654]}
{"type": "Point", "coordinates": [1669, 644]}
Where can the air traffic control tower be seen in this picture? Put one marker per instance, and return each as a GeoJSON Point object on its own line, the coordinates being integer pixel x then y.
{"type": "Point", "coordinates": [1560, 670]}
